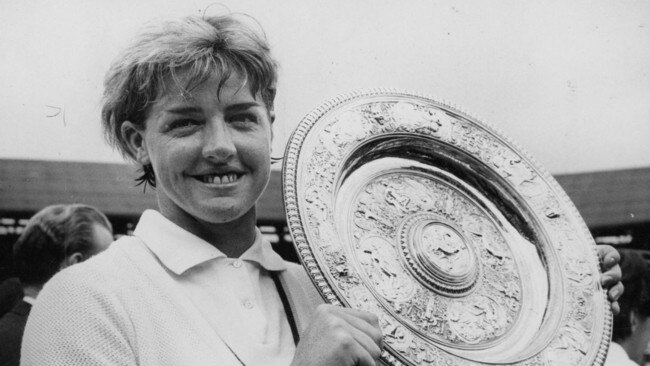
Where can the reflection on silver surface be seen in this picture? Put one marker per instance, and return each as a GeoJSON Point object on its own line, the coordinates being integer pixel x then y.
{"type": "Point", "coordinates": [467, 252]}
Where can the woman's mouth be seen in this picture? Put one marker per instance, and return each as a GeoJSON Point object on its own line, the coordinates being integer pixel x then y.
{"type": "Point", "coordinates": [219, 178]}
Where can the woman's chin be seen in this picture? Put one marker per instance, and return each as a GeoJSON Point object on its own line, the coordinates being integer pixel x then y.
{"type": "Point", "coordinates": [223, 213]}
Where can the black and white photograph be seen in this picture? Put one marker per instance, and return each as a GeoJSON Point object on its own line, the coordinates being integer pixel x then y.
{"type": "Point", "coordinates": [325, 183]}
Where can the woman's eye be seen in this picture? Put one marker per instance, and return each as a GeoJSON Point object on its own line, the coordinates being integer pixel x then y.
{"type": "Point", "coordinates": [243, 118]}
{"type": "Point", "coordinates": [182, 124]}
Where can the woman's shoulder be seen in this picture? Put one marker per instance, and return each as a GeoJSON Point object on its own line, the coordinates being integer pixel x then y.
{"type": "Point", "coordinates": [116, 266]}
{"type": "Point", "coordinates": [294, 267]}
{"type": "Point", "coordinates": [84, 304]}
{"type": "Point", "coordinates": [298, 272]}
{"type": "Point", "coordinates": [299, 277]}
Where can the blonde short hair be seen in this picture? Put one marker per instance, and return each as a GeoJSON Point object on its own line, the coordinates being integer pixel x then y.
{"type": "Point", "coordinates": [201, 48]}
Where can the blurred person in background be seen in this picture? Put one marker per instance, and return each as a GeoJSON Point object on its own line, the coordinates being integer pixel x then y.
{"type": "Point", "coordinates": [632, 324]}
{"type": "Point", "coordinates": [56, 237]}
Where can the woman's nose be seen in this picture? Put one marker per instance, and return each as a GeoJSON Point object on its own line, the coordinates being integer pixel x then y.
{"type": "Point", "coordinates": [218, 142]}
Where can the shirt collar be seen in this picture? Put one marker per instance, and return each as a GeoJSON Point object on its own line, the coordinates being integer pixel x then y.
{"type": "Point", "coordinates": [179, 250]}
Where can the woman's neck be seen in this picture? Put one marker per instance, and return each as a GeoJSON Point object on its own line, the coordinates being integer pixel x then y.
{"type": "Point", "coordinates": [231, 238]}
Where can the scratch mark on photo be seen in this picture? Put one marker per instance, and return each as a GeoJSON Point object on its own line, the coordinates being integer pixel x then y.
{"type": "Point", "coordinates": [59, 111]}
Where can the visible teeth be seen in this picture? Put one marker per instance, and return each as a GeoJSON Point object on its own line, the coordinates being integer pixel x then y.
{"type": "Point", "coordinates": [220, 179]}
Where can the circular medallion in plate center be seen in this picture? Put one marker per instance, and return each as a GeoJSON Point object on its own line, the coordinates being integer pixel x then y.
{"type": "Point", "coordinates": [438, 255]}
{"type": "Point", "coordinates": [443, 249]}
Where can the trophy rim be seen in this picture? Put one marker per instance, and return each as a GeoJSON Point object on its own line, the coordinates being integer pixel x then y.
{"type": "Point", "coordinates": [299, 231]}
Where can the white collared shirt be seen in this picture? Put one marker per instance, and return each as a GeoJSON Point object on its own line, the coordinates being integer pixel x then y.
{"type": "Point", "coordinates": [235, 295]}
{"type": "Point", "coordinates": [163, 297]}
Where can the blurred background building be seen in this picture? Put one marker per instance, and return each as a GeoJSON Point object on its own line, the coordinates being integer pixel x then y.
{"type": "Point", "coordinates": [615, 204]}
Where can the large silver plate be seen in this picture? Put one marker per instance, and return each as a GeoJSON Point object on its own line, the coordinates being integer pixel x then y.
{"type": "Point", "coordinates": [467, 251]}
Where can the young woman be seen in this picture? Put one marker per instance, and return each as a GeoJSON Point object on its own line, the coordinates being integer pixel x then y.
{"type": "Point", "coordinates": [191, 101]}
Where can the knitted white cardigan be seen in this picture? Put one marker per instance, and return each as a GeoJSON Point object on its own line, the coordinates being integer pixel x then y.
{"type": "Point", "coordinates": [126, 310]}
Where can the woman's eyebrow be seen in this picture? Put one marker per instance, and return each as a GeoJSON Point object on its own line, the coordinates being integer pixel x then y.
{"type": "Point", "coordinates": [183, 110]}
{"type": "Point", "coordinates": [239, 107]}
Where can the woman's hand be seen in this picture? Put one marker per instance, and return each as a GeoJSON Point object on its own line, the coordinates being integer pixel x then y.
{"type": "Point", "coordinates": [340, 336]}
{"type": "Point", "coordinates": [611, 277]}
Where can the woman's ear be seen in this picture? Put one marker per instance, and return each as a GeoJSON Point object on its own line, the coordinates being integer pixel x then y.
{"type": "Point", "coordinates": [134, 137]}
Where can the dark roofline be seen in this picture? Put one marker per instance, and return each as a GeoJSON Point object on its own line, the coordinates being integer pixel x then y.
{"type": "Point", "coordinates": [29, 185]}
{"type": "Point", "coordinates": [604, 198]}
{"type": "Point", "coordinates": [610, 198]}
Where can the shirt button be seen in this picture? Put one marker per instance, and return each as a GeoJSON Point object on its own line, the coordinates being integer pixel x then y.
{"type": "Point", "coordinates": [237, 263]}
{"type": "Point", "coordinates": [248, 304]}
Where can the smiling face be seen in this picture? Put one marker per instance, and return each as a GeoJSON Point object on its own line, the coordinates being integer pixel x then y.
{"type": "Point", "coordinates": [209, 149]}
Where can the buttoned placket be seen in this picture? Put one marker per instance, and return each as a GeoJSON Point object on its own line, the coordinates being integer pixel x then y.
{"type": "Point", "coordinates": [220, 286]}
{"type": "Point", "coordinates": [252, 316]}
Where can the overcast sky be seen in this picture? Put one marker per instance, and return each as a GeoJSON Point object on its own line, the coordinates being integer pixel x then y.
{"type": "Point", "coordinates": [568, 80]}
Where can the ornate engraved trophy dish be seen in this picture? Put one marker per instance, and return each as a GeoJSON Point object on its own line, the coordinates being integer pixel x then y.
{"type": "Point", "coordinates": [467, 251]}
